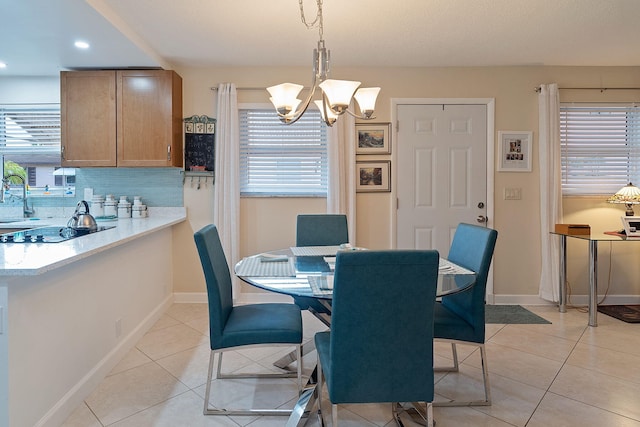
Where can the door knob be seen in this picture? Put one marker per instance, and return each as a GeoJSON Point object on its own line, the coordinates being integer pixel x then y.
{"type": "Point", "coordinates": [482, 219]}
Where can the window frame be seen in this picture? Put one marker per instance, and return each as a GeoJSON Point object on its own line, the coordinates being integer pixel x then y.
{"type": "Point", "coordinates": [306, 191]}
{"type": "Point", "coordinates": [599, 158]}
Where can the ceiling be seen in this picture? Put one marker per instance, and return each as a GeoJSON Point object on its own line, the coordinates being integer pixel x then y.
{"type": "Point", "coordinates": [359, 33]}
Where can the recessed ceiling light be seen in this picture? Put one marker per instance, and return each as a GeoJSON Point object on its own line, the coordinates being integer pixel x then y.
{"type": "Point", "coordinates": [3, 65]}
{"type": "Point", "coordinates": [81, 45]}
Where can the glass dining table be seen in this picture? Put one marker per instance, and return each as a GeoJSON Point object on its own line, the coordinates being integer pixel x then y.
{"type": "Point", "coordinates": [308, 272]}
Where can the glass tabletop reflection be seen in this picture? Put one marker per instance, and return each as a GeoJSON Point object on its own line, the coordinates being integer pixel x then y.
{"type": "Point", "coordinates": [312, 276]}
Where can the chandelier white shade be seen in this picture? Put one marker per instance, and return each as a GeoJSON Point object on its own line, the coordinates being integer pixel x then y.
{"type": "Point", "coordinates": [336, 95]}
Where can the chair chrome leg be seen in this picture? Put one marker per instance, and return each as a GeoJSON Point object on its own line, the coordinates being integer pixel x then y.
{"type": "Point", "coordinates": [418, 414]}
{"type": "Point", "coordinates": [485, 378]}
{"type": "Point", "coordinates": [455, 367]}
{"type": "Point", "coordinates": [208, 410]}
{"type": "Point", "coordinates": [334, 415]}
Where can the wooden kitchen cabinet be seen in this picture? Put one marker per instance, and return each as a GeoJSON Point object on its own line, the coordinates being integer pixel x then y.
{"type": "Point", "coordinates": [125, 118]}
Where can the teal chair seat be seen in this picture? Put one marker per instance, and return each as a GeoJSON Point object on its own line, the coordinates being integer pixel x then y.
{"type": "Point", "coordinates": [259, 323]}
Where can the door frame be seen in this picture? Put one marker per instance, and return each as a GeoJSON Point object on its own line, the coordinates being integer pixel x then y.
{"type": "Point", "coordinates": [490, 103]}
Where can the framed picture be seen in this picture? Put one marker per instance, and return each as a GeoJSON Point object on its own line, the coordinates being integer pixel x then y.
{"type": "Point", "coordinates": [373, 176]}
{"type": "Point", "coordinates": [373, 138]}
{"type": "Point", "coordinates": [515, 151]}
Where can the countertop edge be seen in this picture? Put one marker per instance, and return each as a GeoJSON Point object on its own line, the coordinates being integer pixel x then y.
{"type": "Point", "coordinates": [126, 231]}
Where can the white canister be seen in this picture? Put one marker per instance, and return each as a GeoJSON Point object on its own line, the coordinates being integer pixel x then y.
{"type": "Point", "coordinates": [110, 208]}
{"type": "Point", "coordinates": [124, 209]}
{"type": "Point", "coordinates": [138, 211]}
{"type": "Point", "coordinates": [97, 206]}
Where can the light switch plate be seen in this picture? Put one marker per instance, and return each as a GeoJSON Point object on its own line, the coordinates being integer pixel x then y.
{"type": "Point", "coordinates": [513, 193]}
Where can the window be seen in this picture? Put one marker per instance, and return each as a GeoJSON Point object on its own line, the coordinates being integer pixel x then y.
{"type": "Point", "coordinates": [600, 148]}
{"type": "Point", "coordinates": [282, 160]}
{"type": "Point", "coordinates": [30, 137]}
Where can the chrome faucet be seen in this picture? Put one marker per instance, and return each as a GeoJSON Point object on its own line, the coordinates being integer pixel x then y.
{"type": "Point", "coordinates": [26, 211]}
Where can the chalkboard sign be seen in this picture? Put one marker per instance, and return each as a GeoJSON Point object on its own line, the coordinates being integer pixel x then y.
{"type": "Point", "coordinates": [199, 152]}
{"type": "Point", "coordinates": [199, 145]}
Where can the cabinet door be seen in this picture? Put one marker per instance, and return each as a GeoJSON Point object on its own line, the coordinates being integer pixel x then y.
{"type": "Point", "coordinates": [149, 118]}
{"type": "Point", "coordinates": [87, 118]}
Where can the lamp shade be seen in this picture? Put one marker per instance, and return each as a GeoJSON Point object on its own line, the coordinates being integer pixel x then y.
{"type": "Point", "coordinates": [366, 98]}
{"type": "Point", "coordinates": [330, 117]}
{"type": "Point", "coordinates": [629, 195]}
{"type": "Point", "coordinates": [284, 97]}
{"type": "Point", "coordinates": [339, 93]}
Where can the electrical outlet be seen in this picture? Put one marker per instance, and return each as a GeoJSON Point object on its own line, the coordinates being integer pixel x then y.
{"type": "Point", "coordinates": [513, 193]}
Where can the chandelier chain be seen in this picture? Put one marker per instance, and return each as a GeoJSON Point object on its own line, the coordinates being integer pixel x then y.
{"type": "Point", "coordinates": [318, 19]}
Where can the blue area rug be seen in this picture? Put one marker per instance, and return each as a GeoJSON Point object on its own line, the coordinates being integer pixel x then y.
{"type": "Point", "coordinates": [511, 314]}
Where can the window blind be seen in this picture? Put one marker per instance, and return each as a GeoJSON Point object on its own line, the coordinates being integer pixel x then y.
{"type": "Point", "coordinates": [600, 148]}
{"type": "Point", "coordinates": [30, 133]}
{"type": "Point", "coordinates": [282, 160]}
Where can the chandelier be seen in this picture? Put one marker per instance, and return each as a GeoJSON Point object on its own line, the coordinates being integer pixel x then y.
{"type": "Point", "coordinates": [336, 95]}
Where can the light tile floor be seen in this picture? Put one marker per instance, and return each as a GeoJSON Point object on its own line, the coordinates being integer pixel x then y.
{"type": "Point", "coordinates": [560, 374]}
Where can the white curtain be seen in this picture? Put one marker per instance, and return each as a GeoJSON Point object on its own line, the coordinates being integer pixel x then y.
{"type": "Point", "coordinates": [550, 189]}
{"type": "Point", "coordinates": [341, 190]}
{"type": "Point", "coordinates": [226, 196]}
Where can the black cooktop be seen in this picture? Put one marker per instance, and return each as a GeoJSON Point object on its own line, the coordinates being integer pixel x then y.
{"type": "Point", "coordinates": [50, 234]}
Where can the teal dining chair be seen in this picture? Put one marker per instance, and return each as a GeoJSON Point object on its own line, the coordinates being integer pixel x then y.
{"type": "Point", "coordinates": [319, 230]}
{"type": "Point", "coordinates": [460, 318]}
{"type": "Point", "coordinates": [235, 327]}
{"type": "Point", "coordinates": [380, 346]}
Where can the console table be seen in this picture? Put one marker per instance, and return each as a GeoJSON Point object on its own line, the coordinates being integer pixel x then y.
{"type": "Point", "coordinates": [593, 240]}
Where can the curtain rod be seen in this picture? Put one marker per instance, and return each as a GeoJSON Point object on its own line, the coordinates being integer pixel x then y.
{"type": "Point", "coordinates": [241, 88]}
{"type": "Point", "coordinates": [601, 89]}
{"type": "Point", "coordinates": [249, 88]}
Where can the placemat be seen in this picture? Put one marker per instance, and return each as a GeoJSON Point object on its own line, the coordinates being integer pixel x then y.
{"type": "Point", "coordinates": [321, 285]}
{"type": "Point", "coordinates": [315, 250]}
{"type": "Point", "coordinates": [253, 266]}
{"type": "Point", "coordinates": [447, 267]}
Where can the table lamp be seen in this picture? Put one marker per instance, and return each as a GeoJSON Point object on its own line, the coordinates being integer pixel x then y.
{"type": "Point", "coordinates": [629, 195]}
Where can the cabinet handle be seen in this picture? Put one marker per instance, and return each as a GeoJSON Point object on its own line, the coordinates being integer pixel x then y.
{"type": "Point", "coordinates": [168, 152]}
{"type": "Point", "coordinates": [62, 153]}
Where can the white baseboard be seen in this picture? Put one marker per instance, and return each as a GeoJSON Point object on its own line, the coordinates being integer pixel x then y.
{"type": "Point", "coordinates": [574, 300]}
{"type": "Point", "coordinates": [74, 397]}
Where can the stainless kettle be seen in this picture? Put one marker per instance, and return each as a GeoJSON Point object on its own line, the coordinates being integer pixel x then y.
{"type": "Point", "coordinates": [82, 222]}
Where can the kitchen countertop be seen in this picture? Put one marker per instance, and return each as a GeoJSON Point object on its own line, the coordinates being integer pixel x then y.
{"type": "Point", "coordinates": [26, 259]}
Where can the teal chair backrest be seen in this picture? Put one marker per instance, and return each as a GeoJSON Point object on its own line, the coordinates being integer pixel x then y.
{"type": "Point", "coordinates": [321, 230]}
{"type": "Point", "coordinates": [472, 248]}
{"type": "Point", "coordinates": [381, 345]}
{"type": "Point", "coordinates": [218, 280]}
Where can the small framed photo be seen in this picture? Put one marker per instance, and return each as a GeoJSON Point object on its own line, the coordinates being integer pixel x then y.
{"type": "Point", "coordinates": [515, 151]}
{"type": "Point", "coordinates": [373, 176]}
{"type": "Point", "coordinates": [373, 138]}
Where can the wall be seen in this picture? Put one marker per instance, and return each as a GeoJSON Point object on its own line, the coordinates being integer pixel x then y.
{"type": "Point", "coordinates": [266, 223]}
{"type": "Point", "coordinates": [517, 256]}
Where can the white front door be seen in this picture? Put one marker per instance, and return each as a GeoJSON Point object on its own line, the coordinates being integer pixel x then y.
{"type": "Point", "coordinates": [442, 173]}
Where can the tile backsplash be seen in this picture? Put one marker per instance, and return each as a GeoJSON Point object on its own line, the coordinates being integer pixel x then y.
{"type": "Point", "coordinates": [158, 187]}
